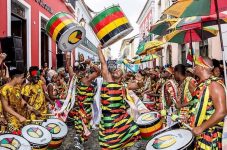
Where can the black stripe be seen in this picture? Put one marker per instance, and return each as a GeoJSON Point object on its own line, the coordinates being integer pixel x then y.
{"type": "Point", "coordinates": [115, 32]}
{"type": "Point", "coordinates": [64, 29]}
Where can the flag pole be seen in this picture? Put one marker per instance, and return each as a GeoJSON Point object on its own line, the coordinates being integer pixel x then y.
{"type": "Point", "coordinates": [221, 39]}
{"type": "Point", "coordinates": [191, 48]}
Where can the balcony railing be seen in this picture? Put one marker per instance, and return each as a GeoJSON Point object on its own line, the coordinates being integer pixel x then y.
{"type": "Point", "coordinates": [89, 45]}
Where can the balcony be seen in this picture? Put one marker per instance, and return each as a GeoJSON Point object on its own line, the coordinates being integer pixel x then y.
{"type": "Point", "coordinates": [89, 45]}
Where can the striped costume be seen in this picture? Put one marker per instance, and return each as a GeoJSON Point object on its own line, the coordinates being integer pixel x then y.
{"type": "Point", "coordinates": [210, 139]}
{"type": "Point", "coordinates": [83, 113]}
{"type": "Point", "coordinates": [117, 129]}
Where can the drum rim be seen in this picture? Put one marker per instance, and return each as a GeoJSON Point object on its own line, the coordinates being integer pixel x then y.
{"type": "Point", "coordinates": [78, 43]}
{"type": "Point", "coordinates": [36, 144]}
{"type": "Point", "coordinates": [19, 137]}
{"type": "Point", "coordinates": [156, 120]}
{"type": "Point", "coordinates": [129, 30]}
{"type": "Point", "coordinates": [190, 141]}
{"type": "Point", "coordinates": [57, 138]}
{"type": "Point", "coordinates": [114, 5]}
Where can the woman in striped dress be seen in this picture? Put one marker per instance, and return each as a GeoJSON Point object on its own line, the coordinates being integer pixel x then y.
{"type": "Point", "coordinates": [117, 128]}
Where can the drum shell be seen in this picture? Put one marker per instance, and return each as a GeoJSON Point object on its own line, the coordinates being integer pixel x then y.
{"type": "Point", "coordinates": [147, 130]}
{"type": "Point", "coordinates": [60, 27]}
{"type": "Point", "coordinates": [110, 25]}
{"type": "Point", "coordinates": [36, 146]}
{"type": "Point", "coordinates": [57, 139]}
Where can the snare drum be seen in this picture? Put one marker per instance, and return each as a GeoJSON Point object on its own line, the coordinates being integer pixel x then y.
{"type": "Point", "coordinates": [149, 123]}
{"type": "Point", "coordinates": [13, 142]}
{"type": "Point", "coordinates": [111, 25]}
{"type": "Point", "coordinates": [58, 129]}
{"type": "Point", "coordinates": [38, 136]}
{"type": "Point", "coordinates": [178, 139]}
{"type": "Point", "coordinates": [63, 29]}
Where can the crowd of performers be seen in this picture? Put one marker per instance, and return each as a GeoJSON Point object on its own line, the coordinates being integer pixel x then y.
{"type": "Point", "coordinates": [111, 99]}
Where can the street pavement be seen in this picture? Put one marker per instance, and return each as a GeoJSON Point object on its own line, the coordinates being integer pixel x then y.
{"type": "Point", "coordinates": [92, 143]}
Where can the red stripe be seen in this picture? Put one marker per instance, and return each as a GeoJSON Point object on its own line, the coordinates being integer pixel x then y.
{"type": "Point", "coordinates": [148, 134]}
{"type": "Point", "coordinates": [56, 23]}
{"type": "Point", "coordinates": [122, 128]}
{"type": "Point", "coordinates": [108, 20]}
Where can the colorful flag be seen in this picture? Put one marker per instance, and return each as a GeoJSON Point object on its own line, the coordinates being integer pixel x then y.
{"type": "Point", "coordinates": [132, 67]}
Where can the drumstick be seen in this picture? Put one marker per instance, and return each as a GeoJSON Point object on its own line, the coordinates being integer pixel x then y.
{"type": "Point", "coordinates": [48, 115]}
{"type": "Point", "coordinates": [176, 118]}
{"type": "Point", "coordinates": [36, 120]}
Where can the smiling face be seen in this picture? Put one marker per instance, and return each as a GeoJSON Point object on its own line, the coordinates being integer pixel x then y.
{"type": "Point", "coordinates": [117, 73]}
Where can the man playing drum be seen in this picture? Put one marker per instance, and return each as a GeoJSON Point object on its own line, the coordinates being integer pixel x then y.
{"type": "Point", "coordinates": [185, 89]}
{"type": "Point", "coordinates": [34, 94]}
{"type": "Point", "coordinates": [210, 107]}
{"type": "Point", "coordinates": [117, 128]}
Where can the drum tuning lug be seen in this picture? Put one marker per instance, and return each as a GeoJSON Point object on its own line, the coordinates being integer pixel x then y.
{"type": "Point", "coordinates": [79, 146]}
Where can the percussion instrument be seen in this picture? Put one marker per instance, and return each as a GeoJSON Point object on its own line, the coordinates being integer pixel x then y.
{"type": "Point", "coordinates": [58, 130]}
{"type": "Point", "coordinates": [13, 142]}
{"type": "Point", "coordinates": [178, 139]}
{"type": "Point", "coordinates": [149, 123]}
{"type": "Point", "coordinates": [149, 104]}
{"type": "Point", "coordinates": [38, 136]}
{"type": "Point", "coordinates": [63, 29]}
{"type": "Point", "coordinates": [110, 25]}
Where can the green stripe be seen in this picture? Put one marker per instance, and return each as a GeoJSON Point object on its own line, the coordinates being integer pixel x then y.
{"type": "Point", "coordinates": [178, 38]}
{"type": "Point", "coordinates": [53, 19]}
{"type": "Point", "coordinates": [103, 15]}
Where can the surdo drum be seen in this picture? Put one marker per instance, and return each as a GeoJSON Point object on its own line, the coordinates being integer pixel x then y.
{"type": "Point", "coordinates": [178, 139]}
{"type": "Point", "coordinates": [111, 25]}
{"type": "Point", "coordinates": [38, 136]}
{"type": "Point", "coordinates": [58, 130]}
{"type": "Point", "coordinates": [13, 142]}
{"type": "Point", "coordinates": [63, 29]}
{"type": "Point", "coordinates": [149, 123]}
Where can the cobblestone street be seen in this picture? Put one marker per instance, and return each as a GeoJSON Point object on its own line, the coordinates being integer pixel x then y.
{"type": "Point", "coordinates": [91, 144]}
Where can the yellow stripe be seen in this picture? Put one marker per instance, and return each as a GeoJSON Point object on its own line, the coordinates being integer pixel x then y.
{"type": "Point", "coordinates": [60, 27]}
{"type": "Point", "coordinates": [202, 115]}
{"type": "Point", "coordinates": [151, 129]}
{"type": "Point", "coordinates": [111, 26]}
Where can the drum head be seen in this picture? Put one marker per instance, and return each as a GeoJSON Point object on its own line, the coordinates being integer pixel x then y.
{"type": "Point", "coordinates": [71, 38]}
{"type": "Point", "coordinates": [36, 134]}
{"type": "Point", "coordinates": [56, 127]}
{"type": "Point", "coordinates": [171, 140]}
{"type": "Point", "coordinates": [147, 118]}
{"type": "Point", "coordinates": [13, 142]}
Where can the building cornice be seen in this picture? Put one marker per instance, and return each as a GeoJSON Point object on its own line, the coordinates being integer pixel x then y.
{"type": "Point", "coordinates": [144, 11]}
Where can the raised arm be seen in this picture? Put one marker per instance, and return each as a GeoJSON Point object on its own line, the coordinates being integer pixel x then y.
{"type": "Point", "coordinates": [104, 69]}
{"type": "Point", "coordinates": [69, 67]}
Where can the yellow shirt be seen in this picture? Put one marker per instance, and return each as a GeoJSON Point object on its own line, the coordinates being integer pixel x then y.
{"type": "Point", "coordinates": [36, 97]}
{"type": "Point", "coordinates": [13, 96]}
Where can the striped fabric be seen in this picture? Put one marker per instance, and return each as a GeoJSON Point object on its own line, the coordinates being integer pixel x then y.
{"type": "Point", "coordinates": [117, 129]}
{"type": "Point", "coordinates": [84, 100]}
{"type": "Point", "coordinates": [210, 139]}
{"type": "Point", "coordinates": [109, 23]}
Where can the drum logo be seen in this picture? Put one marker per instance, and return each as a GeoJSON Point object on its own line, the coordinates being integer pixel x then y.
{"type": "Point", "coordinates": [35, 132]}
{"type": "Point", "coordinates": [148, 117]}
{"type": "Point", "coordinates": [53, 128]}
{"type": "Point", "coordinates": [75, 37]}
{"type": "Point", "coordinates": [164, 141]}
{"type": "Point", "coordinates": [10, 143]}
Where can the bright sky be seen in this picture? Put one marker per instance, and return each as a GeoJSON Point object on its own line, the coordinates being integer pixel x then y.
{"type": "Point", "coordinates": [131, 8]}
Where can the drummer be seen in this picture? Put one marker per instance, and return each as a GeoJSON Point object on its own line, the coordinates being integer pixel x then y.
{"type": "Point", "coordinates": [117, 129]}
{"type": "Point", "coordinates": [13, 103]}
{"type": "Point", "coordinates": [186, 86]}
{"type": "Point", "coordinates": [84, 97]}
{"type": "Point", "coordinates": [210, 107]}
{"type": "Point", "coordinates": [168, 95]}
{"type": "Point", "coordinates": [34, 94]}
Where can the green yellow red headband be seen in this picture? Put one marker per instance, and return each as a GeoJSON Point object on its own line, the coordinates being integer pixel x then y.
{"type": "Point", "coordinates": [201, 62]}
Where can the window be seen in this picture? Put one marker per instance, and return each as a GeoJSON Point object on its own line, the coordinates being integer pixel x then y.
{"type": "Point", "coordinates": [183, 54]}
{"type": "Point", "coordinates": [203, 48]}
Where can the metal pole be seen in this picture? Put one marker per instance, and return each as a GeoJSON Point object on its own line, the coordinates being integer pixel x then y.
{"type": "Point", "coordinates": [221, 39]}
{"type": "Point", "coordinates": [191, 48]}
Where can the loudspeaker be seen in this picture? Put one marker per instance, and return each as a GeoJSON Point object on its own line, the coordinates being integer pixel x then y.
{"type": "Point", "coordinates": [60, 60]}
